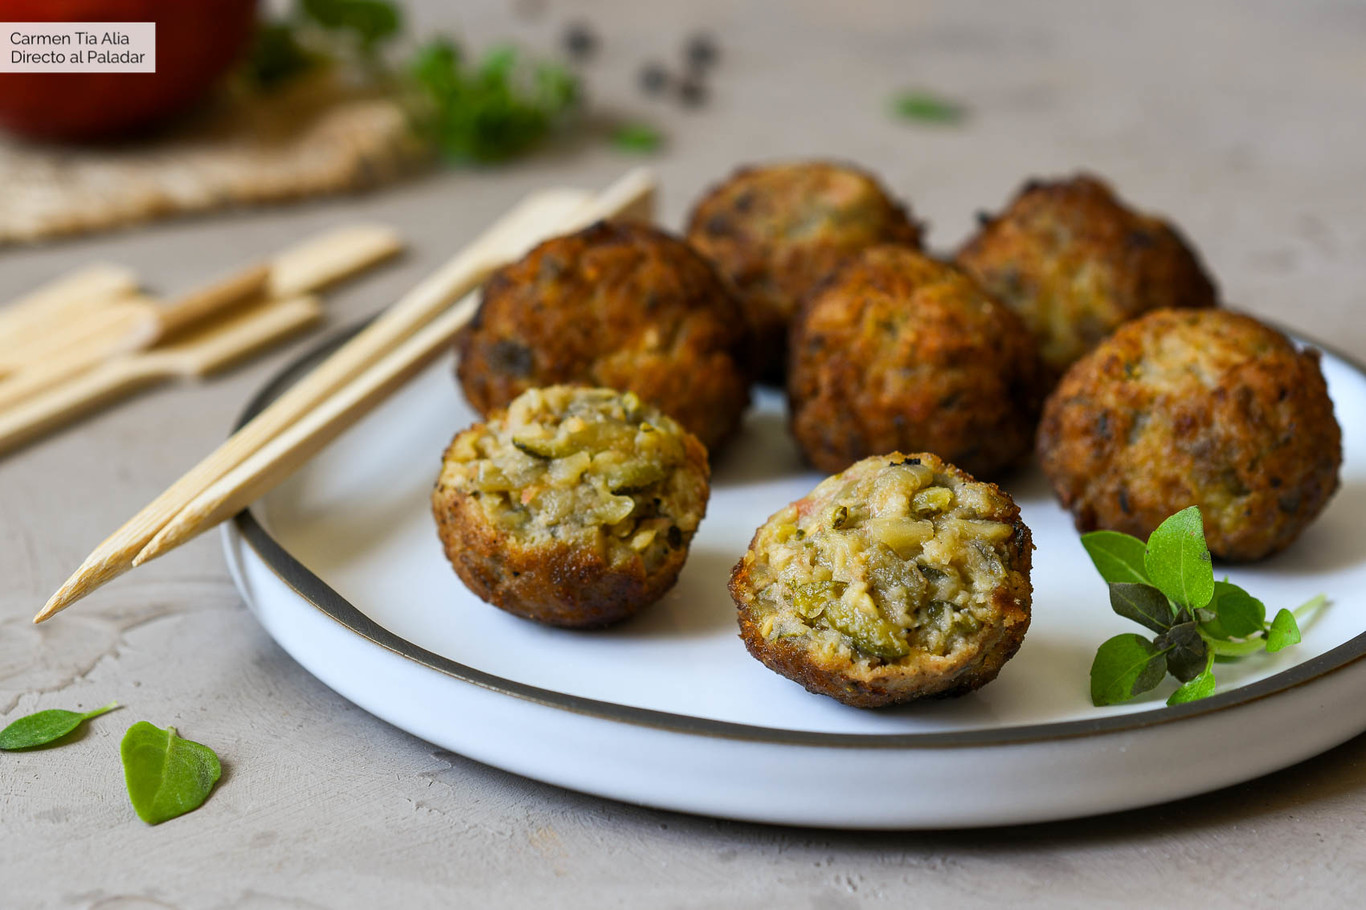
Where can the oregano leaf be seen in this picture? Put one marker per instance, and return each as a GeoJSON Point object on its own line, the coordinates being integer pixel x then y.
{"type": "Point", "coordinates": [1178, 561]}
{"type": "Point", "coordinates": [1201, 686]}
{"type": "Point", "coordinates": [919, 105]}
{"type": "Point", "coordinates": [1117, 557]}
{"type": "Point", "coordinates": [45, 727]}
{"type": "Point", "coordinates": [1283, 632]}
{"type": "Point", "coordinates": [1125, 666]}
{"type": "Point", "coordinates": [166, 775]}
{"type": "Point", "coordinates": [1237, 613]}
{"type": "Point", "coordinates": [1144, 604]}
{"type": "Point", "coordinates": [1187, 655]}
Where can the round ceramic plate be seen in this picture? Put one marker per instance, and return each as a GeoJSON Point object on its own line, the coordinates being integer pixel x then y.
{"type": "Point", "coordinates": [343, 568]}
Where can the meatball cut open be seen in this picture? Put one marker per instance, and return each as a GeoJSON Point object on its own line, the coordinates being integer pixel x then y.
{"type": "Point", "coordinates": [898, 579]}
{"type": "Point", "coordinates": [575, 507]}
{"type": "Point", "coordinates": [1072, 259]}
{"type": "Point", "coordinates": [620, 305]}
{"type": "Point", "coordinates": [776, 231]}
{"type": "Point", "coordinates": [902, 352]}
{"type": "Point", "coordinates": [1207, 408]}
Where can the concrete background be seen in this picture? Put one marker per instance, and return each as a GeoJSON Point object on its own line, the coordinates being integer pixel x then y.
{"type": "Point", "coordinates": [1245, 121]}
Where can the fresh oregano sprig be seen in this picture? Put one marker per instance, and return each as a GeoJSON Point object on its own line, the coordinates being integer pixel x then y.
{"type": "Point", "coordinates": [1168, 587]}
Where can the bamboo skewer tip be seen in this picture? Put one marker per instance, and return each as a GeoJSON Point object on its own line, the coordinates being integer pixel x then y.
{"type": "Point", "coordinates": [197, 500]}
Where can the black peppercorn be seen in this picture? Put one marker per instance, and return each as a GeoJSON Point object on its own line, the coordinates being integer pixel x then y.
{"type": "Point", "coordinates": [580, 42]}
{"type": "Point", "coordinates": [701, 51]}
{"type": "Point", "coordinates": [654, 78]}
{"type": "Point", "coordinates": [692, 92]}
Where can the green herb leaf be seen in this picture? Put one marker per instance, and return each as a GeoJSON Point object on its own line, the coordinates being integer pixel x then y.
{"type": "Point", "coordinates": [166, 775]}
{"type": "Point", "coordinates": [1237, 613]}
{"type": "Point", "coordinates": [1178, 561]}
{"type": "Point", "coordinates": [45, 727]}
{"type": "Point", "coordinates": [276, 56]}
{"type": "Point", "coordinates": [1125, 666]}
{"type": "Point", "coordinates": [1117, 557]}
{"type": "Point", "coordinates": [1283, 633]}
{"type": "Point", "coordinates": [369, 21]}
{"type": "Point", "coordinates": [1187, 655]}
{"type": "Point", "coordinates": [490, 112]}
{"type": "Point", "coordinates": [639, 138]}
{"type": "Point", "coordinates": [927, 108]}
{"type": "Point", "coordinates": [1201, 686]}
{"type": "Point", "coordinates": [1144, 604]}
{"type": "Point", "coordinates": [1233, 650]}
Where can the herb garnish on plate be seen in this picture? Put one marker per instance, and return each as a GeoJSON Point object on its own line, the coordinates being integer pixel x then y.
{"type": "Point", "coordinates": [1168, 587]}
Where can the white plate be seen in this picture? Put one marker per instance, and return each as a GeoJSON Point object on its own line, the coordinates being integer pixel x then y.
{"type": "Point", "coordinates": [343, 568]}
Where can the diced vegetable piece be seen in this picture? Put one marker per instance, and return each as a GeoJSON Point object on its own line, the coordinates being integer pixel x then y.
{"type": "Point", "coordinates": [867, 630]}
{"type": "Point", "coordinates": [903, 535]}
{"type": "Point", "coordinates": [811, 598]}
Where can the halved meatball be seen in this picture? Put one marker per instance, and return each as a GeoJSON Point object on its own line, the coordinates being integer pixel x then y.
{"type": "Point", "coordinates": [1207, 408]}
{"type": "Point", "coordinates": [898, 579]}
{"type": "Point", "coordinates": [902, 352]}
{"type": "Point", "coordinates": [575, 507]}
{"type": "Point", "coordinates": [620, 305]}
{"type": "Point", "coordinates": [776, 231]}
{"type": "Point", "coordinates": [1076, 262]}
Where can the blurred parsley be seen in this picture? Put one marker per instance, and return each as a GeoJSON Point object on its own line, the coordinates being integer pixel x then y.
{"type": "Point", "coordinates": [637, 138]}
{"type": "Point", "coordinates": [276, 56]}
{"type": "Point", "coordinates": [927, 108]}
{"type": "Point", "coordinates": [489, 111]}
{"type": "Point", "coordinates": [368, 22]}
{"type": "Point", "coordinates": [483, 111]}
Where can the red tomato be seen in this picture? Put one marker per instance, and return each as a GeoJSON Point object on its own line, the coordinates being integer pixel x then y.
{"type": "Point", "coordinates": [197, 41]}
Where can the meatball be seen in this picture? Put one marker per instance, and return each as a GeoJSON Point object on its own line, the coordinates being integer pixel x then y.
{"type": "Point", "coordinates": [1204, 407]}
{"type": "Point", "coordinates": [1076, 263]}
{"type": "Point", "coordinates": [899, 579]}
{"type": "Point", "coordinates": [779, 230]}
{"type": "Point", "coordinates": [620, 305]}
{"type": "Point", "coordinates": [903, 352]}
{"type": "Point", "coordinates": [575, 507]}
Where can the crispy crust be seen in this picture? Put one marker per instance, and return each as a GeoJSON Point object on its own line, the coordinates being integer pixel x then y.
{"type": "Point", "coordinates": [877, 684]}
{"type": "Point", "coordinates": [619, 305]}
{"type": "Point", "coordinates": [1074, 261]}
{"type": "Point", "coordinates": [899, 351]}
{"type": "Point", "coordinates": [561, 583]}
{"type": "Point", "coordinates": [1210, 408]}
{"type": "Point", "coordinates": [776, 231]}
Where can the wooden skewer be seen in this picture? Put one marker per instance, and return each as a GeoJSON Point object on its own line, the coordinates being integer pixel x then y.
{"type": "Point", "coordinates": [139, 323]}
{"type": "Point", "coordinates": [282, 456]}
{"type": "Point", "coordinates": [534, 219]}
{"type": "Point", "coordinates": [200, 353]}
{"type": "Point", "coordinates": [331, 257]}
{"type": "Point", "coordinates": [63, 302]}
{"type": "Point", "coordinates": [109, 327]}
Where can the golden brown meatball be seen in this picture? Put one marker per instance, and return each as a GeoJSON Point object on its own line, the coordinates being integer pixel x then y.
{"type": "Point", "coordinates": [778, 230]}
{"type": "Point", "coordinates": [1076, 263]}
{"type": "Point", "coordinates": [620, 305]}
{"type": "Point", "coordinates": [902, 352]}
{"type": "Point", "coordinates": [899, 579]}
{"type": "Point", "coordinates": [1206, 408]}
{"type": "Point", "coordinates": [575, 507]}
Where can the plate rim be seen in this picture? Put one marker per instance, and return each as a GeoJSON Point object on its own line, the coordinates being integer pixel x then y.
{"type": "Point", "coordinates": [316, 592]}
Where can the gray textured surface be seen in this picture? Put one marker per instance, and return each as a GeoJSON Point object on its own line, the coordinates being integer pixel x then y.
{"type": "Point", "coordinates": [1244, 120]}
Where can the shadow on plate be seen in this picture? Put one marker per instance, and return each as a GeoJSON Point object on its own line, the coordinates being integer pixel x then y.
{"type": "Point", "coordinates": [762, 450]}
{"type": "Point", "coordinates": [1332, 543]}
{"type": "Point", "coordinates": [699, 605]}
